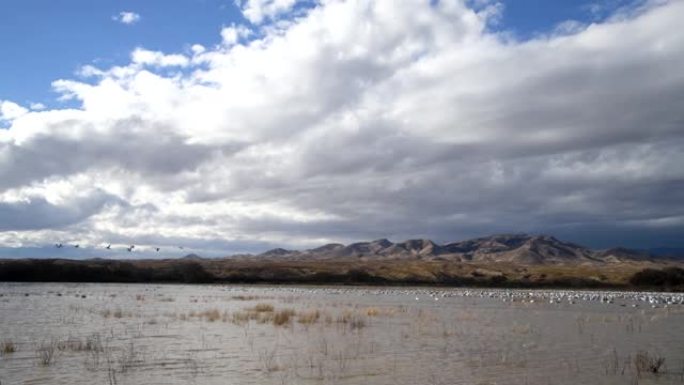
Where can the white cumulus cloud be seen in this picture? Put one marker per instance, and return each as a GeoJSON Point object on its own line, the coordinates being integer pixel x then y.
{"type": "Point", "coordinates": [256, 11]}
{"type": "Point", "coordinates": [10, 110]}
{"type": "Point", "coordinates": [356, 120]}
{"type": "Point", "coordinates": [127, 17]}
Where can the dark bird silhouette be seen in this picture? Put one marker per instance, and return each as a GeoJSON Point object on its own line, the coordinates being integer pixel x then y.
{"type": "Point", "coordinates": [59, 245]}
{"type": "Point", "coordinates": [130, 248]}
{"type": "Point", "coordinates": [156, 248]}
{"type": "Point", "coordinates": [108, 247]}
{"type": "Point", "coordinates": [77, 246]}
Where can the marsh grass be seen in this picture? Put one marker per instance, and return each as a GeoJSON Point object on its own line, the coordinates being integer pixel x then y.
{"type": "Point", "coordinates": [386, 311]}
{"type": "Point", "coordinates": [127, 358]}
{"type": "Point", "coordinates": [117, 313]}
{"type": "Point", "coordinates": [309, 317]}
{"type": "Point", "coordinates": [283, 317]}
{"type": "Point", "coordinates": [90, 343]}
{"type": "Point", "coordinates": [352, 319]}
{"type": "Point", "coordinates": [245, 297]}
{"type": "Point", "coordinates": [240, 318]}
{"type": "Point", "coordinates": [212, 315]}
{"type": "Point", "coordinates": [263, 314]}
{"type": "Point", "coordinates": [645, 362]}
{"type": "Point", "coordinates": [47, 352]}
{"type": "Point", "coordinates": [264, 308]}
{"type": "Point", "coordinates": [267, 357]}
{"type": "Point", "coordinates": [7, 347]}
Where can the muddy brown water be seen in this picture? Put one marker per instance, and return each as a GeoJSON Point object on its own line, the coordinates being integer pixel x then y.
{"type": "Point", "coordinates": [213, 334]}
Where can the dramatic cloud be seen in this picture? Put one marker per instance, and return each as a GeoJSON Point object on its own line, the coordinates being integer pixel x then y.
{"type": "Point", "coordinates": [361, 119]}
{"type": "Point", "coordinates": [127, 18]}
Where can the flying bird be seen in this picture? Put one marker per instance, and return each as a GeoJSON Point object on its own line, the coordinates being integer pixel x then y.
{"type": "Point", "coordinates": [77, 246]}
{"type": "Point", "coordinates": [59, 245]}
{"type": "Point", "coordinates": [130, 248]}
{"type": "Point", "coordinates": [108, 247]}
{"type": "Point", "coordinates": [156, 248]}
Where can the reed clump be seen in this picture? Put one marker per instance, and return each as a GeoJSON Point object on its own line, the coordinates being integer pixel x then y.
{"type": "Point", "coordinates": [264, 308]}
{"type": "Point", "coordinates": [117, 313]}
{"type": "Point", "coordinates": [644, 362]}
{"type": "Point", "coordinates": [245, 297]}
{"type": "Point", "coordinates": [46, 353]}
{"type": "Point", "coordinates": [309, 317]}
{"type": "Point", "coordinates": [352, 319]}
{"type": "Point", "coordinates": [283, 317]}
{"type": "Point", "coordinates": [372, 311]}
{"type": "Point", "coordinates": [212, 315]}
{"type": "Point", "coordinates": [7, 347]}
{"type": "Point", "coordinates": [92, 343]}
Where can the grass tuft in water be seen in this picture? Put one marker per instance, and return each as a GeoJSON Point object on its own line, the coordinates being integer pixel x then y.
{"type": "Point", "coordinates": [644, 362]}
{"type": "Point", "coordinates": [7, 347]}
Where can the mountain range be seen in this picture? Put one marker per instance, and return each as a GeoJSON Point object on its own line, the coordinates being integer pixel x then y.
{"type": "Point", "coordinates": [513, 248]}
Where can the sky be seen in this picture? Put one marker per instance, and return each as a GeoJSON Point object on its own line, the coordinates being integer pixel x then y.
{"type": "Point", "coordinates": [229, 127]}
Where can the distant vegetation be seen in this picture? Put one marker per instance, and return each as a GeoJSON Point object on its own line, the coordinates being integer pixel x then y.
{"type": "Point", "coordinates": [55, 270]}
{"type": "Point", "coordinates": [671, 278]}
{"type": "Point", "coordinates": [396, 272]}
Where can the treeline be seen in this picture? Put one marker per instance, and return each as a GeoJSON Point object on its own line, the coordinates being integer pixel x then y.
{"type": "Point", "coordinates": [359, 276]}
{"type": "Point", "coordinates": [184, 271]}
{"type": "Point", "coordinates": [671, 278]}
{"type": "Point", "coordinates": [56, 270]}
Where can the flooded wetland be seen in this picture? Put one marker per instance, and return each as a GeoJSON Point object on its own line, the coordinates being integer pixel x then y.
{"type": "Point", "coordinates": [217, 334]}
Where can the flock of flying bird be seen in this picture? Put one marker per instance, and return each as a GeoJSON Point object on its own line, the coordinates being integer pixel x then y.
{"type": "Point", "coordinates": [109, 247]}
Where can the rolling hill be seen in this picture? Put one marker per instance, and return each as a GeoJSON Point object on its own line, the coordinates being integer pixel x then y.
{"type": "Point", "coordinates": [510, 248]}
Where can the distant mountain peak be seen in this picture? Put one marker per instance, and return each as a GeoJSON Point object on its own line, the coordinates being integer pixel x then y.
{"type": "Point", "coordinates": [514, 248]}
{"type": "Point", "coordinates": [276, 252]}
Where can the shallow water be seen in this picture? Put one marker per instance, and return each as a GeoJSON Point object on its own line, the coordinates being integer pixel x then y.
{"type": "Point", "coordinates": [212, 334]}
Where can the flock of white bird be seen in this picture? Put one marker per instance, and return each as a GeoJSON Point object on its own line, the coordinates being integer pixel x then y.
{"type": "Point", "coordinates": [553, 297]}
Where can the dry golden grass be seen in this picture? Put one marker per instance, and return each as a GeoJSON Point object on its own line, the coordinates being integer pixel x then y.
{"type": "Point", "coordinates": [117, 313]}
{"type": "Point", "coordinates": [245, 297]}
{"type": "Point", "coordinates": [372, 311]}
{"type": "Point", "coordinates": [352, 319]}
{"type": "Point", "coordinates": [283, 317]}
{"type": "Point", "coordinates": [211, 315]}
{"type": "Point", "coordinates": [240, 318]}
{"type": "Point", "coordinates": [309, 317]}
{"type": "Point", "coordinates": [263, 308]}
